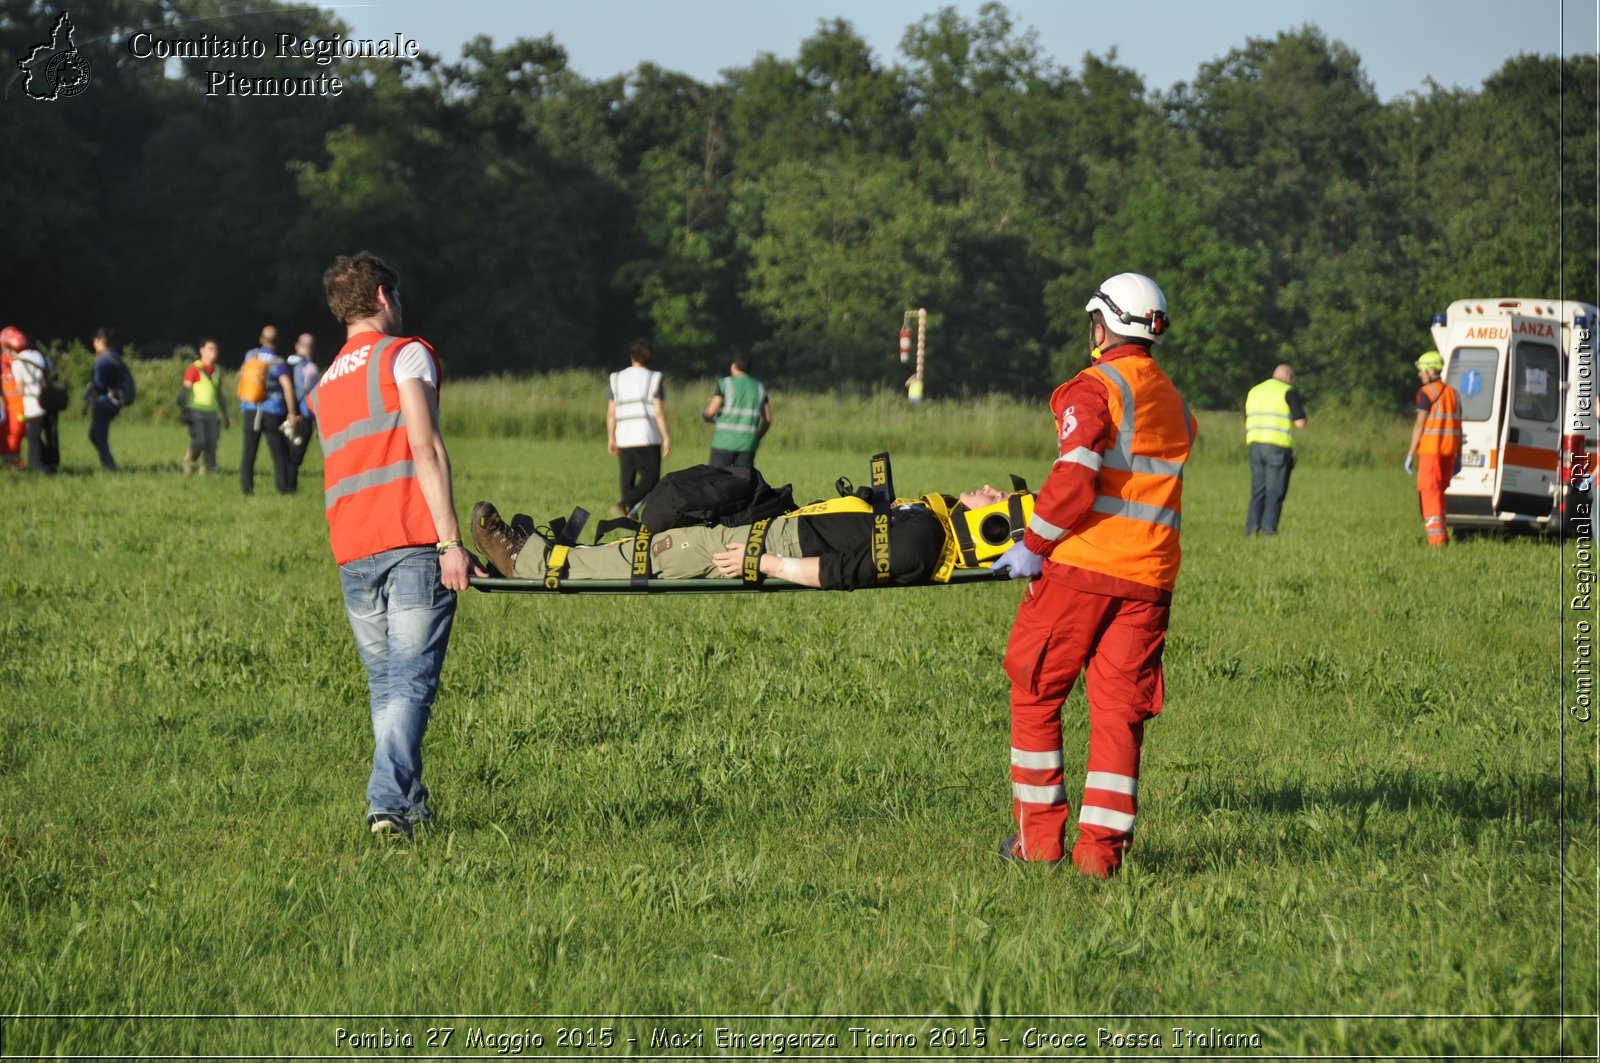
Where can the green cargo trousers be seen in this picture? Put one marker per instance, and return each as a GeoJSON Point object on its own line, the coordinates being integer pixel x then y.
{"type": "Point", "coordinates": [681, 553]}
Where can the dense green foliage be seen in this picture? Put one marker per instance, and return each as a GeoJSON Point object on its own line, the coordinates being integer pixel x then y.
{"type": "Point", "coordinates": [796, 206]}
{"type": "Point", "coordinates": [1352, 804]}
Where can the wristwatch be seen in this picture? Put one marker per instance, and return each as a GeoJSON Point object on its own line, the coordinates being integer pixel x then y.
{"type": "Point", "coordinates": [448, 545]}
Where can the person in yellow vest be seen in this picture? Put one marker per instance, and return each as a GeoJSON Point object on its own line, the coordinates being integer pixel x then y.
{"type": "Point", "coordinates": [1102, 548]}
{"type": "Point", "coordinates": [1435, 444]}
{"type": "Point", "coordinates": [203, 408]}
{"type": "Point", "coordinates": [1272, 411]}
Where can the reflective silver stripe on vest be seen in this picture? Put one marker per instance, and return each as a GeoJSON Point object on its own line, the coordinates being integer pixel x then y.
{"type": "Point", "coordinates": [1121, 456]}
{"type": "Point", "coordinates": [642, 403]}
{"type": "Point", "coordinates": [367, 426]}
{"type": "Point", "coordinates": [1081, 456]}
{"type": "Point", "coordinates": [1112, 506]}
{"type": "Point", "coordinates": [360, 481]}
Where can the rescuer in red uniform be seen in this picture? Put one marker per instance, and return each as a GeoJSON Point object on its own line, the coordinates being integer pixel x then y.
{"type": "Point", "coordinates": [1102, 548]}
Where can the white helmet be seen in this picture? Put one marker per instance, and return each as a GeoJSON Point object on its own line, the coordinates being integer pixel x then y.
{"type": "Point", "coordinates": [1132, 306]}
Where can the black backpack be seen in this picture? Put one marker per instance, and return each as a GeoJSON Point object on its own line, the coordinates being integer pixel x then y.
{"type": "Point", "coordinates": [706, 495]}
{"type": "Point", "coordinates": [53, 395]}
{"type": "Point", "coordinates": [127, 388]}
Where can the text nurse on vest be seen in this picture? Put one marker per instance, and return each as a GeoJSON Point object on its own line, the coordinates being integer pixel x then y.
{"type": "Point", "coordinates": [392, 523]}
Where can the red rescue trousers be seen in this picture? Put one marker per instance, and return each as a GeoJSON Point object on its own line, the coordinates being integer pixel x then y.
{"type": "Point", "coordinates": [14, 429]}
{"type": "Point", "coordinates": [1434, 472]}
{"type": "Point", "coordinates": [1061, 631]}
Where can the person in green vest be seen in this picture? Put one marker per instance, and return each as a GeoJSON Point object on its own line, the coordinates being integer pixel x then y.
{"type": "Point", "coordinates": [1272, 411]}
{"type": "Point", "coordinates": [742, 413]}
{"type": "Point", "coordinates": [204, 409]}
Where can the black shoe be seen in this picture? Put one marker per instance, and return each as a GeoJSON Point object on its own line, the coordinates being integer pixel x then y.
{"type": "Point", "coordinates": [499, 541]}
{"type": "Point", "coordinates": [389, 826]}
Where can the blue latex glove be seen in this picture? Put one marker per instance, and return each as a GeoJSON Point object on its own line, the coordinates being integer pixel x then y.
{"type": "Point", "coordinates": [1411, 459]}
{"type": "Point", "coordinates": [1019, 562]}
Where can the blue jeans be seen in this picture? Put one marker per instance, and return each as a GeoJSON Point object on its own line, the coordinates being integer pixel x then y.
{"type": "Point", "coordinates": [101, 414]}
{"type": "Point", "coordinates": [401, 615]}
{"type": "Point", "coordinates": [1270, 467]}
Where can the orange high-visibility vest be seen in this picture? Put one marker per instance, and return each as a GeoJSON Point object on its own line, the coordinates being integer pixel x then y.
{"type": "Point", "coordinates": [1132, 530]}
{"type": "Point", "coordinates": [1441, 429]}
{"type": "Point", "coordinates": [9, 386]}
{"type": "Point", "coordinates": [370, 489]}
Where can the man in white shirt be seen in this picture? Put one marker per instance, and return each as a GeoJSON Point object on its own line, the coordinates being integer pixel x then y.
{"type": "Point", "coordinates": [29, 368]}
{"type": "Point", "coordinates": [636, 427]}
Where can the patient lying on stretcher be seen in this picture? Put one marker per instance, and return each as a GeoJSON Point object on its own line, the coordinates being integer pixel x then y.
{"type": "Point", "coordinates": [816, 546]}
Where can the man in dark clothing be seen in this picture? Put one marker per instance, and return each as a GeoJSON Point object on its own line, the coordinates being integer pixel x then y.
{"type": "Point", "coordinates": [827, 550]}
{"type": "Point", "coordinates": [106, 395]}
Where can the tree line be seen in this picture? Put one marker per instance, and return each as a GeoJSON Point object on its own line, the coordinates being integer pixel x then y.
{"type": "Point", "coordinates": [796, 206]}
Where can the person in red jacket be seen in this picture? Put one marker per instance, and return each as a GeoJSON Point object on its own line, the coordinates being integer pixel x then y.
{"type": "Point", "coordinates": [1102, 549]}
{"type": "Point", "coordinates": [392, 523]}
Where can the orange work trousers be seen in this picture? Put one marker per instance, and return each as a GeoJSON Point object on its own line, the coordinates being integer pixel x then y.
{"type": "Point", "coordinates": [1434, 472]}
{"type": "Point", "coordinates": [1059, 632]}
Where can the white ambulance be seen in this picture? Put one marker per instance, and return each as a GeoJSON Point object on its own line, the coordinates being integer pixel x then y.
{"type": "Point", "coordinates": [1526, 373]}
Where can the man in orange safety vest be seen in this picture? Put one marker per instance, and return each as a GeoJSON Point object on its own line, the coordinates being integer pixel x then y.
{"type": "Point", "coordinates": [1435, 444]}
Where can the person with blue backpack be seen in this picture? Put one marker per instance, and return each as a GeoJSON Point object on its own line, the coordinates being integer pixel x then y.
{"type": "Point", "coordinates": [266, 403]}
{"type": "Point", "coordinates": [303, 374]}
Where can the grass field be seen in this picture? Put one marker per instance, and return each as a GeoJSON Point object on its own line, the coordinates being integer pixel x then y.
{"type": "Point", "coordinates": [1351, 835]}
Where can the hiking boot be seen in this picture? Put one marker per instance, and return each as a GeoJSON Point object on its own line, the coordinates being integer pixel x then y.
{"type": "Point", "coordinates": [389, 826]}
{"type": "Point", "coordinates": [499, 541]}
{"type": "Point", "coordinates": [188, 465]}
{"type": "Point", "coordinates": [523, 525]}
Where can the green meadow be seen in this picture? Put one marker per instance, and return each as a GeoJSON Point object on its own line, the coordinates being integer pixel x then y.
{"type": "Point", "coordinates": [1367, 821]}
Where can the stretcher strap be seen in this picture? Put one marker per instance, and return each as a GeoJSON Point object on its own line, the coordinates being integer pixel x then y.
{"type": "Point", "coordinates": [963, 534]}
{"type": "Point", "coordinates": [754, 547]}
{"type": "Point", "coordinates": [555, 561]}
{"type": "Point", "coordinates": [641, 559]}
{"type": "Point", "coordinates": [667, 587]}
{"type": "Point", "coordinates": [882, 481]}
{"type": "Point", "coordinates": [947, 552]}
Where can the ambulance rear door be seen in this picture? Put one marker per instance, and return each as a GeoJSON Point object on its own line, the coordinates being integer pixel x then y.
{"type": "Point", "coordinates": [1531, 429]}
{"type": "Point", "coordinates": [1475, 372]}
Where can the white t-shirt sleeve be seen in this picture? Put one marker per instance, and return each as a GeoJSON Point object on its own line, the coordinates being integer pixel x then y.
{"type": "Point", "coordinates": [415, 363]}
